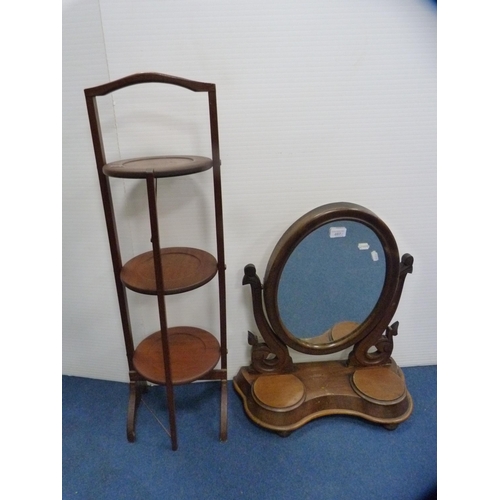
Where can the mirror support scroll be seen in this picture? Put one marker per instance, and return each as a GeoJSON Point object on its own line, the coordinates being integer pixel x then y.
{"type": "Point", "coordinates": [272, 354]}
{"type": "Point", "coordinates": [377, 338]}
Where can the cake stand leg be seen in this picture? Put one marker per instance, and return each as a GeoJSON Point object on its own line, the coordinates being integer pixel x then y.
{"type": "Point", "coordinates": [136, 389]}
{"type": "Point", "coordinates": [223, 411]}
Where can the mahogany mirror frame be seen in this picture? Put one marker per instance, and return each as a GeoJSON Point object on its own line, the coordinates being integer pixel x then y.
{"type": "Point", "coordinates": [296, 233]}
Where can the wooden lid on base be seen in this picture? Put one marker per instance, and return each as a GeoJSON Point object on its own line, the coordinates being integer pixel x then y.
{"type": "Point", "coordinates": [379, 385]}
{"type": "Point", "coordinates": [279, 392]}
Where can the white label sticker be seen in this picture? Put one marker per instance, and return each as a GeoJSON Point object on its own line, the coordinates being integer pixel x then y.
{"type": "Point", "coordinates": [374, 255]}
{"type": "Point", "coordinates": [338, 232]}
{"type": "Point", "coordinates": [363, 246]}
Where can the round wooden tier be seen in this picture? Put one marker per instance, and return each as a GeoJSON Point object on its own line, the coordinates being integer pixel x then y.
{"type": "Point", "coordinates": [193, 353]}
{"type": "Point", "coordinates": [161, 166]}
{"type": "Point", "coordinates": [183, 269]}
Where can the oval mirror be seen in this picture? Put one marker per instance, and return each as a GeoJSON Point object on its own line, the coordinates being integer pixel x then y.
{"type": "Point", "coordinates": [330, 278]}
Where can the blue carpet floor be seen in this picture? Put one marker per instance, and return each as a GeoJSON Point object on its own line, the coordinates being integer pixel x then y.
{"type": "Point", "coordinates": [335, 457]}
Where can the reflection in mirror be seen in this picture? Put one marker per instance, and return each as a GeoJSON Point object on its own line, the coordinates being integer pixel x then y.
{"type": "Point", "coordinates": [331, 282]}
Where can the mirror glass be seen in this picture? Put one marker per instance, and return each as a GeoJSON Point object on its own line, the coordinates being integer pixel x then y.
{"type": "Point", "coordinates": [331, 282]}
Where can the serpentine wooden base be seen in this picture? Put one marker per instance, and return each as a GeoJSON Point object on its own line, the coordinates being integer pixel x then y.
{"type": "Point", "coordinates": [285, 402]}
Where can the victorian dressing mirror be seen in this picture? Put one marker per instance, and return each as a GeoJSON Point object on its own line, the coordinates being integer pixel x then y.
{"type": "Point", "coordinates": [332, 283]}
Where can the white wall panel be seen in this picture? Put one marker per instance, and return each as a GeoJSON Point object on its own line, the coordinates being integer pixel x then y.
{"type": "Point", "coordinates": [318, 102]}
{"type": "Point", "coordinates": [92, 344]}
